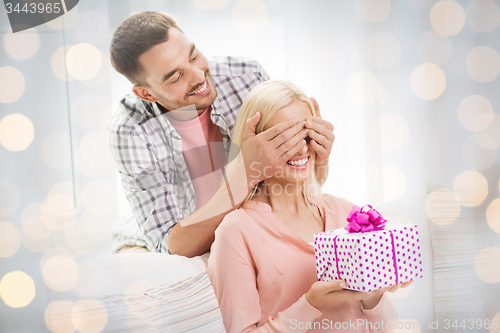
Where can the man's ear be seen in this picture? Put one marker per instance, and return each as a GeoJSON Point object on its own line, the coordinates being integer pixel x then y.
{"type": "Point", "coordinates": [143, 93]}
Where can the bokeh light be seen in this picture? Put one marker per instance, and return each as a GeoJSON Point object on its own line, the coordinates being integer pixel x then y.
{"type": "Point", "coordinates": [489, 138]}
{"type": "Point", "coordinates": [394, 132]}
{"type": "Point", "coordinates": [103, 75]}
{"type": "Point", "coordinates": [362, 89]}
{"type": "Point", "coordinates": [394, 183]}
{"type": "Point", "coordinates": [56, 151]}
{"type": "Point", "coordinates": [22, 45]}
{"type": "Point", "coordinates": [471, 188]}
{"type": "Point", "coordinates": [99, 197]}
{"type": "Point", "coordinates": [447, 17]}
{"type": "Point", "coordinates": [471, 110]}
{"type": "Point", "coordinates": [372, 11]}
{"type": "Point", "coordinates": [383, 50]}
{"type": "Point", "coordinates": [91, 279]}
{"type": "Point", "coordinates": [90, 27]}
{"type": "Point", "coordinates": [249, 16]}
{"type": "Point", "coordinates": [17, 289]}
{"type": "Point", "coordinates": [428, 81]}
{"type": "Point", "coordinates": [60, 272]}
{"type": "Point", "coordinates": [32, 222]}
{"type": "Point", "coordinates": [496, 318]}
{"type": "Point", "coordinates": [79, 241]}
{"type": "Point", "coordinates": [37, 245]}
{"type": "Point", "coordinates": [493, 215]}
{"type": "Point", "coordinates": [483, 15]}
{"type": "Point", "coordinates": [16, 132]}
{"type": "Point", "coordinates": [210, 4]}
{"type": "Point", "coordinates": [92, 156]}
{"type": "Point", "coordinates": [487, 265]}
{"type": "Point", "coordinates": [88, 109]}
{"type": "Point", "coordinates": [9, 198]}
{"type": "Point", "coordinates": [83, 61]}
{"type": "Point", "coordinates": [10, 239]}
{"type": "Point", "coordinates": [483, 64]}
{"type": "Point", "coordinates": [89, 316]}
{"type": "Point", "coordinates": [476, 156]}
{"type": "Point", "coordinates": [106, 116]}
{"type": "Point", "coordinates": [96, 227]}
{"type": "Point", "coordinates": [433, 47]}
{"type": "Point", "coordinates": [442, 206]}
{"type": "Point", "coordinates": [58, 64]}
{"type": "Point", "coordinates": [65, 21]}
{"type": "Point", "coordinates": [58, 317]}
{"type": "Point", "coordinates": [58, 211]}
{"type": "Point", "coordinates": [11, 85]}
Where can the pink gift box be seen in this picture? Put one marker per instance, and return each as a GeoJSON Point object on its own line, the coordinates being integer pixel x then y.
{"type": "Point", "coordinates": [369, 261]}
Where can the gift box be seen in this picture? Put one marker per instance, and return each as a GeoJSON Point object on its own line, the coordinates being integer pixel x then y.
{"type": "Point", "coordinates": [366, 254]}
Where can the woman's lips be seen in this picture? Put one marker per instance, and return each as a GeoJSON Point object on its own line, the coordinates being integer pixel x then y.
{"type": "Point", "coordinates": [298, 164]}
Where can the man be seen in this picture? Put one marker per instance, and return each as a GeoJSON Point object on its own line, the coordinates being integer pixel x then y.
{"type": "Point", "coordinates": [162, 137]}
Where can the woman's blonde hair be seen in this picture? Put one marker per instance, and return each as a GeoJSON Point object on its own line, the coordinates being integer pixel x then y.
{"type": "Point", "coordinates": [267, 98]}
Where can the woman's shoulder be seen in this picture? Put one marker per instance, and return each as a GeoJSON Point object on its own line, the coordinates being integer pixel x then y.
{"type": "Point", "coordinates": [234, 219]}
{"type": "Point", "coordinates": [236, 222]}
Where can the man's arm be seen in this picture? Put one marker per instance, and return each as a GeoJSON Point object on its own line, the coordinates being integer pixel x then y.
{"type": "Point", "coordinates": [149, 191]}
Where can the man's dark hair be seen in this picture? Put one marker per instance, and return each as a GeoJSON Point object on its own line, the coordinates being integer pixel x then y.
{"type": "Point", "coordinates": [136, 35]}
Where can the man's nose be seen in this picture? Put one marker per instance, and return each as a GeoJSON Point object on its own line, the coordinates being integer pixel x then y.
{"type": "Point", "coordinates": [197, 75]}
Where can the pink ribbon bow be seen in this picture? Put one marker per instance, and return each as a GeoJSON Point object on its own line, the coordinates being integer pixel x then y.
{"type": "Point", "coordinates": [364, 219]}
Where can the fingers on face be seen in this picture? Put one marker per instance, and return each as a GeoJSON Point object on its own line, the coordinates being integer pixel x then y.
{"type": "Point", "coordinates": [250, 125]}
{"type": "Point", "coordinates": [289, 138]}
{"type": "Point", "coordinates": [278, 129]}
{"type": "Point", "coordinates": [322, 131]}
{"type": "Point", "coordinates": [319, 149]}
{"type": "Point", "coordinates": [319, 138]}
{"type": "Point", "coordinates": [286, 154]}
{"type": "Point", "coordinates": [317, 121]}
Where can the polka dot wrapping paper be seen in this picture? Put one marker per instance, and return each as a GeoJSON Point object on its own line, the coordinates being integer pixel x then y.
{"type": "Point", "coordinates": [369, 260]}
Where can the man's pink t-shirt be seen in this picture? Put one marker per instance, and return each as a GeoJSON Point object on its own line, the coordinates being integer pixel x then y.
{"type": "Point", "coordinates": [204, 154]}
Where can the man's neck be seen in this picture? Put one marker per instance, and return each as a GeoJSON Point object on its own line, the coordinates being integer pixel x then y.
{"type": "Point", "coordinates": [183, 114]}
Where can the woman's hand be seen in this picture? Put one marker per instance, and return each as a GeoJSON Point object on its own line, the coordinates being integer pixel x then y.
{"type": "Point", "coordinates": [323, 292]}
{"type": "Point", "coordinates": [321, 134]}
{"type": "Point", "coordinates": [372, 301]}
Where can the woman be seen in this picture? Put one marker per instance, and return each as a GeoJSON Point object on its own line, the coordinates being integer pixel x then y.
{"type": "Point", "coordinates": [262, 263]}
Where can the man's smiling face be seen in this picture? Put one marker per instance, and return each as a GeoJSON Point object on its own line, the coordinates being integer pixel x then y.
{"type": "Point", "coordinates": [177, 75]}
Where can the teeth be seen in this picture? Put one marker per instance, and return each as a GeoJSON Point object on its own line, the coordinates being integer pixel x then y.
{"type": "Point", "coordinates": [201, 89]}
{"type": "Point", "coordinates": [298, 163]}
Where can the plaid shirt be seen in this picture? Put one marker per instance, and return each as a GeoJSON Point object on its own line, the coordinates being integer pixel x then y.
{"type": "Point", "coordinates": [148, 154]}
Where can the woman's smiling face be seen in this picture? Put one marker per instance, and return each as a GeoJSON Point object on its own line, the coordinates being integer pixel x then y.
{"type": "Point", "coordinates": [298, 168]}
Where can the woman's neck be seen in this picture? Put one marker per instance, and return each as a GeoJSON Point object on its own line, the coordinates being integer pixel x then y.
{"type": "Point", "coordinates": [282, 197]}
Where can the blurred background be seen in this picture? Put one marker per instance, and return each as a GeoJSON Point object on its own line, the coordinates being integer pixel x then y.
{"type": "Point", "coordinates": [411, 87]}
